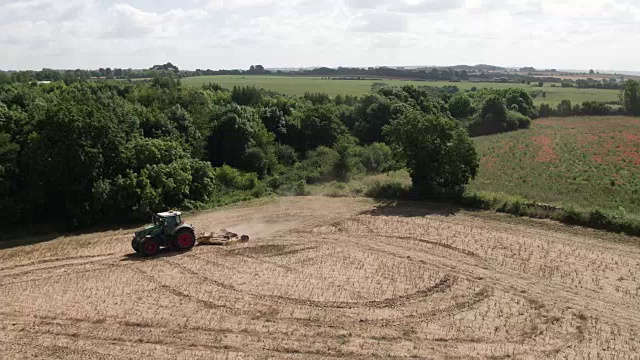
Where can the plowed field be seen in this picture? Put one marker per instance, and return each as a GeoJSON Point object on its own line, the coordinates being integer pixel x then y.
{"type": "Point", "coordinates": [330, 278]}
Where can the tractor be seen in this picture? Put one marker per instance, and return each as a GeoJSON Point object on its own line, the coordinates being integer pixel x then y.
{"type": "Point", "coordinates": [168, 230]}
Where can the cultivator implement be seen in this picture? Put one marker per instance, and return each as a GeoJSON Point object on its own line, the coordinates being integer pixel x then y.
{"type": "Point", "coordinates": [223, 238]}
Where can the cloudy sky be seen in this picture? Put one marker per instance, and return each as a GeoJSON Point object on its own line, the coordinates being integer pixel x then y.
{"type": "Point", "coordinates": [566, 34]}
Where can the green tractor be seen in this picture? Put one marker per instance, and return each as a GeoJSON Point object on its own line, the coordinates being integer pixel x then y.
{"type": "Point", "coordinates": [168, 230]}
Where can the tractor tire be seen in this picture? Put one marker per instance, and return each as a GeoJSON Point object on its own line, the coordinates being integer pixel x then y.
{"type": "Point", "coordinates": [184, 239]}
{"type": "Point", "coordinates": [134, 245]}
{"type": "Point", "coordinates": [149, 247]}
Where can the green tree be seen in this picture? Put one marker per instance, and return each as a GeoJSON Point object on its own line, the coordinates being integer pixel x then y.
{"type": "Point", "coordinates": [348, 162]}
{"type": "Point", "coordinates": [461, 106]}
{"type": "Point", "coordinates": [318, 126]}
{"type": "Point", "coordinates": [494, 110]}
{"type": "Point", "coordinates": [631, 97]}
{"type": "Point", "coordinates": [238, 138]}
{"type": "Point", "coordinates": [377, 158]}
{"type": "Point", "coordinates": [438, 153]}
{"type": "Point", "coordinates": [564, 108]}
{"type": "Point", "coordinates": [246, 95]}
{"type": "Point", "coordinates": [181, 120]}
{"type": "Point", "coordinates": [373, 113]}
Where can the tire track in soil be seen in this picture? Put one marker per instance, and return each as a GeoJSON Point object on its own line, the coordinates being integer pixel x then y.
{"type": "Point", "coordinates": [503, 279]}
{"type": "Point", "coordinates": [57, 263]}
{"type": "Point", "coordinates": [441, 286]}
{"type": "Point", "coordinates": [565, 320]}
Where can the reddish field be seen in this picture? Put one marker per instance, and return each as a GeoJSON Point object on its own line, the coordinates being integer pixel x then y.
{"type": "Point", "coordinates": [588, 162]}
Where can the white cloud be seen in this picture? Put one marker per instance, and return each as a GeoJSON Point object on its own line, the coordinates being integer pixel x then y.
{"type": "Point", "coordinates": [130, 22]}
{"type": "Point", "coordinates": [429, 6]}
{"type": "Point", "coordinates": [45, 9]}
{"type": "Point", "coordinates": [380, 22]}
{"type": "Point", "coordinates": [236, 4]}
{"type": "Point", "coordinates": [237, 33]}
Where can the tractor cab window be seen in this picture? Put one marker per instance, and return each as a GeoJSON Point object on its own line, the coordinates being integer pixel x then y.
{"type": "Point", "coordinates": [178, 219]}
{"type": "Point", "coordinates": [170, 222]}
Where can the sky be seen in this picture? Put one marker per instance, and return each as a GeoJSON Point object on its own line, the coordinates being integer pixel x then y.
{"type": "Point", "coordinates": [231, 34]}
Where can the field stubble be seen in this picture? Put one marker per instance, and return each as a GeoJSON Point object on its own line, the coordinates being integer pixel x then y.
{"type": "Point", "coordinates": [330, 278]}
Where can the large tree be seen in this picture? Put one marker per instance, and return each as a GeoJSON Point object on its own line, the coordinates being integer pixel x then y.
{"type": "Point", "coordinates": [631, 97]}
{"type": "Point", "coordinates": [438, 153]}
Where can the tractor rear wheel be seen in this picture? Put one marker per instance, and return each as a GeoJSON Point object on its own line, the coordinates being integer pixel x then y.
{"type": "Point", "coordinates": [185, 239]}
{"type": "Point", "coordinates": [149, 247]}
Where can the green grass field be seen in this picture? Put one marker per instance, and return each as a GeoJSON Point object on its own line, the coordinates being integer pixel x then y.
{"type": "Point", "coordinates": [299, 85]}
{"type": "Point", "coordinates": [585, 162]}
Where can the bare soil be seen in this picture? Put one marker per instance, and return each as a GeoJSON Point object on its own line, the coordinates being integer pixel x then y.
{"type": "Point", "coordinates": [330, 278]}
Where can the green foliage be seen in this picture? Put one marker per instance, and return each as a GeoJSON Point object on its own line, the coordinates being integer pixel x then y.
{"type": "Point", "coordinates": [388, 190]}
{"type": "Point", "coordinates": [377, 158]}
{"type": "Point", "coordinates": [238, 138]}
{"type": "Point", "coordinates": [286, 155]}
{"type": "Point", "coordinates": [348, 160]}
{"type": "Point", "coordinates": [494, 110]}
{"type": "Point", "coordinates": [90, 152]}
{"type": "Point", "coordinates": [631, 97]}
{"type": "Point", "coordinates": [564, 108]}
{"type": "Point", "coordinates": [317, 125]}
{"type": "Point", "coordinates": [461, 106]}
{"type": "Point", "coordinates": [246, 95]}
{"type": "Point", "coordinates": [545, 110]}
{"type": "Point", "coordinates": [78, 152]}
{"type": "Point", "coordinates": [373, 113]}
{"type": "Point", "coordinates": [233, 179]}
{"type": "Point", "coordinates": [520, 99]}
{"type": "Point", "coordinates": [516, 205]}
{"type": "Point", "coordinates": [438, 153]}
{"type": "Point", "coordinates": [319, 165]}
{"type": "Point", "coordinates": [317, 98]}
{"type": "Point", "coordinates": [516, 120]}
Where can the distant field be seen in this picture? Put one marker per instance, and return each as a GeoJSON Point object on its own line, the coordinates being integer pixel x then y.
{"type": "Point", "coordinates": [299, 85]}
{"type": "Point", "coordinates": [587, 162]}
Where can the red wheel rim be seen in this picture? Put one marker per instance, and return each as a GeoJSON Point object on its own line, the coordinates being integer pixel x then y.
{"type": "Point", "coordinates": [150, 247]}
{"type": "Point", "coordinates": [185, 240]}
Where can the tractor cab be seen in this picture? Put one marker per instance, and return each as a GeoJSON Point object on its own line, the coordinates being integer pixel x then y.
{"type": "Point", "coordinates": [168, 221]}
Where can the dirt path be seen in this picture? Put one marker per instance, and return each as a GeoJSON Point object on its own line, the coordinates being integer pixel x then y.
{"type": "Point", "coordinates": [330, 278]}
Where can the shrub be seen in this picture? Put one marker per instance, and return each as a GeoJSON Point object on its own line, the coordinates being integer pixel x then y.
{"type": "Point", "coordinates": [317, 98]}
{"type": "Point", "coordinates": [631, 97]}
{"type": "Point", "coordinates": [461, 106]}
{"type": "Point", "coordinates": [319, 165]}
{"type": "Point", "coordinates": [387, 190]}
{"type": "Point", "coordinates": [545, 110]}
{"type": "Point", "coordinates": [516, 121]}
{"type": "Point", "coordinates": [246, 95]}
{"type": "Point", "coordinates": [348, 161]}
{"type": "Point", "coordinates": [377, 158]}
{"type": "Point", "coordinates": [234, 179]}
{"type": "Point", "coordinates": [286, 155]}
{"type": "Point", "coordinates": [596, 108]}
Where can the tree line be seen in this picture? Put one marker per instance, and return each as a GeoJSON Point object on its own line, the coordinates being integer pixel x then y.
{"type": "Point", "coordinates": [629, 104]}
{"type": "Point", "coordinates": [86, 153]}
